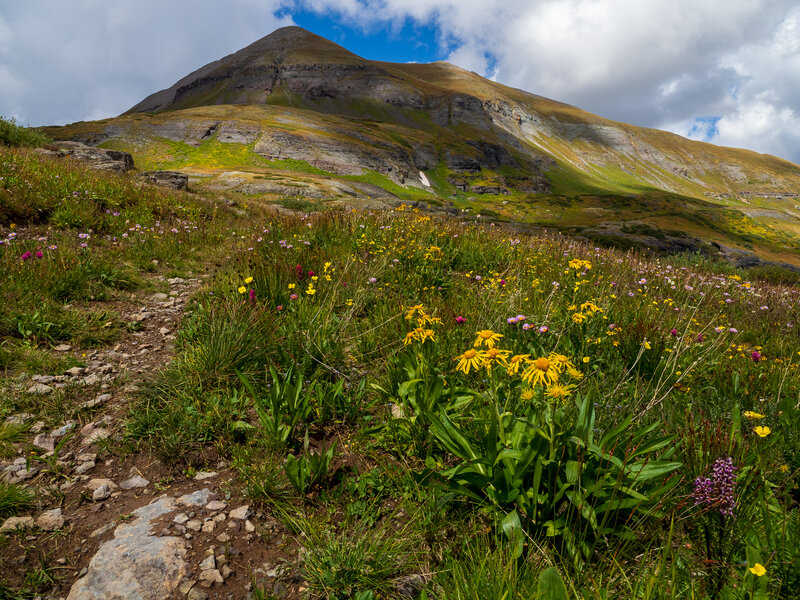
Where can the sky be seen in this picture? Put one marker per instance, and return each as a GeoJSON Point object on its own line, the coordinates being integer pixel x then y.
{"type": "Point", "coordinates": [721, 71]}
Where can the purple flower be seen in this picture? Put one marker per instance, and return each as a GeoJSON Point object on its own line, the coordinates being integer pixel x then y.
{"type": "Point", "coordinates": [543, 329]}
{"type": "Point", "coordinates": [293, 297]}
{"type": "Point", "coordinates": [718, 490]}
{"type": "Point", "coordinates": [39, 254]}
{"type": "Point", "coordinates": [26, 256]}
{"type": "Point", "coordinates": [673, 332]}
{"type": "Point", "coordinates": [252, 294]}
{"type": "Point", "coordinates": [460, 320]}
{"type": "Point", "coordinates": [756, 356]}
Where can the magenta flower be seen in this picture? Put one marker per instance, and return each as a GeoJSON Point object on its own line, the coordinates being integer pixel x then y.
{"type": "Point", "coordinates": [293, 297]}
{"type": "Point", "coordinates": [756, 356]}
{"type": "Point", "coordinates": [39, 254]}
{"type": "Point", "coordinates": [673, 332]}
{"type": "Point", "coordinates": [718, 490]}
{"type": "Point", "coordinates": [252, 294]}
{"type": "Point", "coordinates": [280, 307]}
{"type": "Point", "coordinates": [26, 256]}
{"type": "Point", "coordinates": [460, 320]}
{"type": "Point", "coordinates": [543, 329]}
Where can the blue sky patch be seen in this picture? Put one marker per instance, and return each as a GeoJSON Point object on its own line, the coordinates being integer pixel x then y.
{"type": "Point", "coordinates": [704, 128]}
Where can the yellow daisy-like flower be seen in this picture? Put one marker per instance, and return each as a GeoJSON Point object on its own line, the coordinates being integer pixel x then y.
{"type": "Point", "coordinates": [647, 346]}
{"type": "Point", "coordinates": [516, 361]}
{"type": "Point", "coordinates": [292, 286]}
{"type": "Point", "coordinates": [758, 570]}
{"type": "Point", "coordinates": [574, 373]}
{"type": "Point", "coordinates": [414, 309]}
{"type": "Point", "coordinates": [527, 394]}
{"type": "Point", "coordinates": [579, 318]}
{"type": "Point", "coordinates": [424, 334]}
{"type": "Point", "coordinates": [762, 431]}
{"type": "Point", "coordinates": [410, 337]}
{"type": "Point", "coordinates": [471, 359]}
{"type": "Point", "coordinates": [248, 280]}
{"type": "Point", "coordinates": [487, 337]}
{"type": "Point", "coordinates": [311, 291]}
{"type": "Point", "coordinates": [558, 391]}
{"type": "Point", "coordinates": [540, 372]}
{"type": "Point", "coordinates": [242, 289]}
{"type": "Point", "coordinates": [752, 415]}
{"type": "Point", "coordinates": [495, 355]}
{"type": "Point", "coordinates": [560, 362]}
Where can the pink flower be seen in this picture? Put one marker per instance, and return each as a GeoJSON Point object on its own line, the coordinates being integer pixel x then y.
{"type": "Point", "coordinates": [673, 332]}
{"type": "Point", "coordinates": [39, 254]}
{"type": "Point", "coordinates": [280, 307]}
{"type": "Point", "coordinates": [460, 320]}
{"type": "Point", "coordinates": [252, 295]}
{"type": "Point", "coordinates": [756, 356]}
{"type": "Point", "coordinates": [293, 297]}
{"type": "Point", "coordinates": [26, 256]}
{"type": "Point", "coordinates": [543, 329]}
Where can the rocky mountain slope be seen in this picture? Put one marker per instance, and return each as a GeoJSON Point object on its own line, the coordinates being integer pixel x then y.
{"type": "Point", "coordinates": [295, 115]}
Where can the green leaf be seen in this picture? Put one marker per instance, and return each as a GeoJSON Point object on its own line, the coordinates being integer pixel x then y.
{"type": "Point", "coordinates": [551, 586]}
{"type": "Point", "coordinates": [512, 528]}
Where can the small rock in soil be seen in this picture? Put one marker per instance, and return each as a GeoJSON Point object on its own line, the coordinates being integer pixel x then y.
{"type": "Point", "coordinates": [240, 513]}
{"type": "Point", "coordinates": [15, 523]}
{"type": "Point", "coordinates": [50, 520]}
{"type": "Point", "coordinates": [137, 481]}
{"type": "Point", "coordinates": [40, 389]}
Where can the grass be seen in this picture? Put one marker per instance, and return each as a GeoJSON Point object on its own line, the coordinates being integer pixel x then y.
{"type": "Point", "coordinates": [562, 456]}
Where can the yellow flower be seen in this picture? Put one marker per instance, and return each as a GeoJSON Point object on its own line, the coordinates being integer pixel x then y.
{"type": "Point", "coordinates": [752, 415]}
{"type": "Point", "coordinates": [560, 362]}
{"type": "Point", "coordinates": [292, 286]}
{"type": "Point", "coordinates": [784, 468]}
{"type": "Point", "coordinates": [558, 391]}
{"type": "Point", "coordinates": [762, 431]}
{"type": "Point", "coordinates": [574, 373]}
{"type": "Point", "coordinates": [586, 360]}
{"type": "Point", "coordinates": [311, 291]}
{"type": "Point", "coordinates": [413, 309]}
{"type": "Point", "coordinates": [647, 346]}
{"type": "Point", "coordinates": [495, 355]}
{"type": "Point", "coordinates": [487, 337]}
{"type": "Point", "coordinates": [471, 359]}
{"type": "Point", "coordinates": [242, 289]}
{"type": "Point", "coordinates": [515, 362]}
{"type": "Point", "coordinates": [248, 280]}
{"type": "Point", "coordinates": [540, 372]}
{"type": "Point", "coordinates": [579, 318]}
{"type": "Point", "coordinates": [758, 570]}
{"type": "Point", "coordinates": [526, 394]}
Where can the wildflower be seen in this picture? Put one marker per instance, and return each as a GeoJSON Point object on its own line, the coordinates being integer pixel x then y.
{"type": "Point", "coordinates": [762, 431]}
{"type": "Point", "coordinates": [460, 320]}
{"type": "Point", "coordinates": [417, 308]}
{"type": "Point", "coordinates": [470, 359]}
{"type": "Point", "coordinates": [718, 491]}
{"type": "Point", "coordinates": [543, 329]}
{"type": "Point", "coordinates": [293, 297]}
{"type": "Point", "coordinates": [784, 468]}
{"type": "Point", "coordinates": [515, 362]}
{"type": "Point", "coordinates": [579, 317]}
{"type": "Point", "coordinates": [310, 290]}
{"type": "Point", "coordinates": [252, 295]}
{"type": "Point", "coordinates": [540, 372]}
{"type": "Point", "coordinates": [26, 256]}
{"type": "Point", "coordinates": [39, 254]}
{"type": "Point", "coordinates": [280, 307]}
{"type": "Point", "coordinates": [586, 360]}
{"type": "Point", "coordinates": [526, 326]}
{"type": "Point", "coordinates": [558, 391]}
{"type": "Point", "coordinates": [248, 280]}
{"type": "Point", "coordinates": [495, 355]}
{"type": "Point", "coordinates": [758, 570]}
{"type": "Point", "coordinates": [749, 414]}
{"type": "Point", "coordinates": [372, 280]}
{"type": "Point", "coordinates": [527, 394]}
{"type": "Point", "coordinates": [673, 332]}
{"type": "Point", "coordinates": [487, 337]}
{"type": "Point", "coordinates": [242, 289]}
{"type": "Point", "coordinates": [756, 356]}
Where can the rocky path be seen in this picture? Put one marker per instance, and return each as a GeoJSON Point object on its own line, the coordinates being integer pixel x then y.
{"type": "Point", "coordinates": [117, 525]}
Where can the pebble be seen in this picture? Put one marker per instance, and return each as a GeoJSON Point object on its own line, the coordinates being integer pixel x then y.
{"type": "Point", "coordinates": [63, 430]}
{"type": "Point", "coordinates": [216, 505]}
{"type": "Point", "coordinates": [241, 513]}
{"type": "Point", "coordinates": [15, 523]}
{"type": "Point", "coordinates": [40, 389]}
{"type": "Point", "coordinates": [194, 525]}
{"type": "Point", "coordinates": [201, 475]}
{"type": "Point", "coordinates": [50, 520]}
{"type": "Point", "coordinates": [210, 562]}
{"type": "Point", "coordinates": [101, 493]}
{"type": "Point", "coordinates": [180, 519]}
{"type": "Point", "coordinates": [137, 481]}
{"type": "Point", "coordinates": [85, 467]}
{"type": "Point", "coordinates": [63, 348]}
{"type": "Point", "coordinates": [208, 527]}
{"type": "Point", "coordinates": [211, 576]}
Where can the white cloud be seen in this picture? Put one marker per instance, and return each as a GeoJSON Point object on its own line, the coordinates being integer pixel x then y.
{"type": "Point", "coordinates": [87, 59]}
{"type": "Point", "coordinates": [647, 62]}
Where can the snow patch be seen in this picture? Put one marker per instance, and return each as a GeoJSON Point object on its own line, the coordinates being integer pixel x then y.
{"type": "Point", "coordinates": [424, 179]}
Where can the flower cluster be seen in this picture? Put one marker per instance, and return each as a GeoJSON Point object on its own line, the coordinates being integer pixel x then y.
{"type": "Point", "coordinates": [718, 490]}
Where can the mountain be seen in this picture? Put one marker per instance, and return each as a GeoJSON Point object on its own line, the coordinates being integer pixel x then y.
{"type": "Point", "coordinates": [295, 115]}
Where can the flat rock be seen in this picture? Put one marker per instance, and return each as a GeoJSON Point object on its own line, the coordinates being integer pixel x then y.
{"type": "Point", "coordinates": [136, 563]}
{"type": "Point", "coordinates": [84, 468]}
{"type": "Point", "coordinates": [196, 499]}
{"type": "Point", "coordinates": [63, 348]}
{"type": "Point", "coordinates": [137, 481]}
{"type": "Point", "coordinates": [95, 436]}
{"type": "Point", "coordinates": [212, 575]}
{"type": "Point", "coordinates": [216, 505]}
{"type": "Point", "coordinates": [93, 484]}
{"type": "Point", "coordinates": [50, 520]}
{"type": "Point", "coordinates": [40, 389]}
{"type": "Point", "coordinates": [45, 442]}
{"type": "Point", "coordinates": [101, 399]}
{"type": "Point", "coordinates": [63, 430]}
{"type": "Point", "coordinates": [201, 475]}
{"type": "Point", "coordinates": [14, 523]}
{"type": "Point", "coordinates": [241, 513]}
{"type": "Point", "coordinates": [102, 493]}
